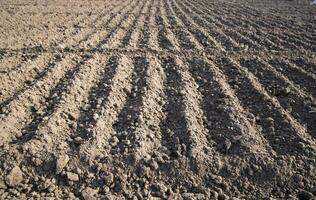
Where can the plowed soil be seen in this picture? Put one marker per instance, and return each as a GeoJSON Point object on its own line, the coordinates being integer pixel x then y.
{"type": "Point", "coordinates": [157, 99]}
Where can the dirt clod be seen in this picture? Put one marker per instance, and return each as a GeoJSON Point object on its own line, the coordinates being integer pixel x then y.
{"type": "Point", "coordinates": [72, 176]}
{"type": "Point", "coordinates": [109, 179]}
{"type": "Point", "coordinates": [15, 177]}
{"type": "Point", "coordinates": [61, 162]}
{"type": "Point", "coordinates": [89, 193]}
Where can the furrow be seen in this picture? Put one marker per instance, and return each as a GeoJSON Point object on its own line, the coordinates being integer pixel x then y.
{"type": "Point", "coordinates": [97, 96]}
{"type": "Point", "coordinates": [230, 126]}
{"type": "Point", "coordinates": [200, 33]}
{"type": "Point", "coordinates": [87, 29]}
{"type": "Point", "coordinates": [148, 131]}
{"type": "Point", "coordinates": [269, 21]}
{"type": "Point", "coordinates": [116, 39]}
{"type": "Point", "coordinates": [263, 39]}
{"type": "Point", "coordinates": [102, 21]}
{"type": "Point", "coordinates": [63, 31]}
{"type": "Point", "coordinates": [185, 38]}
{"type": "Point", "coordinates": [217, 33]}
{"type": "Point", "coordinates": [166, 38]}
{"type": "Point", "coordinates": [15, 82]}
{"type": "Point", "coordinates": [285, 135]}
{"type": "Point", "coordinates": [58, 129]}
{"type": "Point", "coordinates": [295, 32]}
{"type": "Point", "coordinates": [133, 34]}
{"type": "Point", "coordinates": [52, 102]}
{"type": "Point", "coordinates": [114, 31]}
{"type": "Point", "coordinates": [95, 22]}
{"type": "Point", "coordinates": [100, 34]}
{"type": "Point", "coordinates": [193, 114]}
{"type": "Point", "coordinates": [176, 139]}
{"type": "Point", "coordinates": [298, 105]}
{"type": "Point", "coordinates": [174, 133]}
{"type": "Point", "coordinates": [286, 79]}
{"type": "Point", "coordinates": [305, 81]}
{"type": "Point", "coordinates": [110, 108]}
{"type": "Point", "coordinates": [22, 110]}
{"type": "Point", "coordinates": [129, 117]}
{"type": "Point", "coordinates": [228, 27]}
{"type": "Point", "coordinates": [142, 38]}
{"type": "Point", "coordinates": [153, 41]}
{"type": "Point", "coordinates": [305, 63]}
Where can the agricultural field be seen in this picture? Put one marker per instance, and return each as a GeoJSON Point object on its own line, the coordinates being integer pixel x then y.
{"type": "Point", "coordinates": [157, 99]}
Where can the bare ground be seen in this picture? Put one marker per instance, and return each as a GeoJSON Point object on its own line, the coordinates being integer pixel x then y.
{"type": "Point", "coordinates": [157, 99]}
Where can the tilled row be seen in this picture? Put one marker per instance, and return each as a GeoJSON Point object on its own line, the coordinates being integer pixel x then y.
{"type": "Point", "coordinates": [190, 110]}
{"type": "Point", "coordinates": [187, 98]}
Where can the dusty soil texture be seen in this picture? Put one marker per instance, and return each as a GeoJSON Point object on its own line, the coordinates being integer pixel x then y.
{"type": "Point", "coordinates": [157, 99]}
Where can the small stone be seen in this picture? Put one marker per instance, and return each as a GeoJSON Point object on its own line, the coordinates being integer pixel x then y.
{"type": "Point", "coordinates": [109, 179]}
{"type": "Point", "coordinates": [78, 140]}
{"type": "Point", "coordinates": [88, 193]}
{"type": "Point", "coordinates": [106, 189]}
{"type": "Point", "coordinates": [15, 177]}
{"type": "Point", "coordinates": [114, 141]}
{"type": "Point", "coordinates": [72, 176]}
{"type": "Point", "coordinates": [61, 162]}
{"type": "Point", "coordinates": [227, 144]}
{"type": "Point", "coordinates": [270, 121]}
{"type": "Point", "coordinates": [95, 116]}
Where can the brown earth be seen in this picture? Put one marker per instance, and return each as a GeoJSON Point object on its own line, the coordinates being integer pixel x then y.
{"type": "Point", "coordinates": [157, 99]}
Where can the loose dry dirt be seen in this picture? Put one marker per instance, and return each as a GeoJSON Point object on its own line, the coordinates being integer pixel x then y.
{"type": "Point", "coordinates": [157, 99]}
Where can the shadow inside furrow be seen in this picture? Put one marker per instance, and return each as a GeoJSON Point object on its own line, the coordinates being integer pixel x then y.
{"type": "Point", "coordinates": [182, 36]}
{"type": "Point", "coordinates": [276, 128]}
{"type": "Point", "coordinates": [95, 30]}
{"type": "Point", "coordinates": [205, 21]}
{"type": "Point", "coordinates": [40, 76]}
{"type": "Point", "coordinates": [199, 36]}
{"type": "Point", "coordinates": [97, 96]}
{"type": "Point", "coordinates": [175, 135]}
{"type": "Point", "coordinates": [51, 102]}
{"type": "Point", "coordinates": [306, 82]}
{"type": "Point", "coordinates": [145, 34]}
{"type": "Point", "coordinates": [222, 129]}
{"type": "Point", "coordinates": [299, 107]}
{"type": "Point", "coordinates": [126, 39]}
{"type": "Point", "coordinates": [128, 117]}
{"type": "Point", "coordinates": [163, 41]}
{"type": "Point", "coordinates": [306, 65]}
{"type": "Point", "coordinates": [109, 19]}
{"type": "Point", "coordinates": [143, 43]}
{"type": "Point", "coordinates": [114, 29]}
